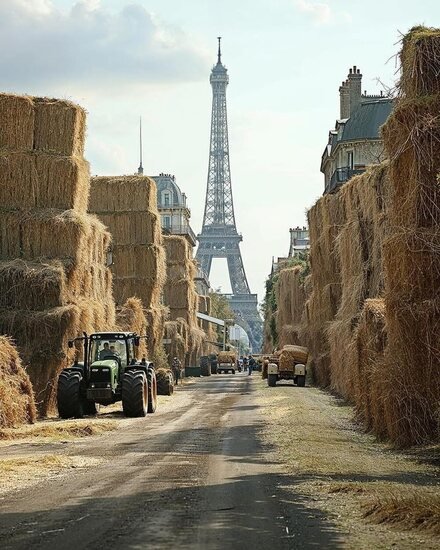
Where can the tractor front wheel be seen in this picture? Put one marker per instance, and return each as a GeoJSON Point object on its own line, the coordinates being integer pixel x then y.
{"type": "Point", "coordinates": [152, 391]}
{"type": "Point", "coordinates": [69, 400]}
{"type": "Point", "coordinates": [165, 382]}
{"type": "Point", "coordinates": [135, 393]}
{"type": "Point", "coordinates": [272, 380]}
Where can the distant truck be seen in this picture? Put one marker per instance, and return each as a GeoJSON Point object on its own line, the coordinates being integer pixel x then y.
{"type": "Point", "coordinates": [288, 364]}
{"type": "Point", "coordinates": [226, 362]}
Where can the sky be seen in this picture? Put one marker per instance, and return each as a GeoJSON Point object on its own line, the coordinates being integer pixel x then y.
{"type": "Point", "coordinates": [121, 59]}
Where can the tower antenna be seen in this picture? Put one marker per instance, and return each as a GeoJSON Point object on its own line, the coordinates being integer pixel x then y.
{"type": "Point", "coordinates": [219, 59]}
{"type": "Point", "coordinates": [141, 168]}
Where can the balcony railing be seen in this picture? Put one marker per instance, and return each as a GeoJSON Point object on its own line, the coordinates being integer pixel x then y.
{"type": "Point", "coordinates": [178, 229]}
{"type": "Point", "coordinates": [340, 176]}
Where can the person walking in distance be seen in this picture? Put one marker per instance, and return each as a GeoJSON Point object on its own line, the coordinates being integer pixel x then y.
{"type": "Point", "coordinates": [251, 364]}
{"type": "Point", "coordinates": [245, 363]}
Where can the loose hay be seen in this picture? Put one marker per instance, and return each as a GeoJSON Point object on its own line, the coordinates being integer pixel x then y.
{"type": "Point", "coordinates": [17, 405]}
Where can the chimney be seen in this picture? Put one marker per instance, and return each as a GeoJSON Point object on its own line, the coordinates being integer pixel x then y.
{"type": "Point", "coordinates": [355, 88]}
{"type": "Point", "coordinates": [344, 100]}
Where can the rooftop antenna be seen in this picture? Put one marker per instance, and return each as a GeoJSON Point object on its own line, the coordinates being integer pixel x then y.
{"type": "Point", "coordinates": [141, 168]}
{"type": "Point", "coordinates": [219, 60]}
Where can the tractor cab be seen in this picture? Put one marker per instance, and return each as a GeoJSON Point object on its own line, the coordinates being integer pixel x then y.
{"type": "Point", "coordinates": [109, 354]}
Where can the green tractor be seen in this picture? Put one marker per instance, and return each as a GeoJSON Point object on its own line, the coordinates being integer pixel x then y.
{"type": "Point", "coordinates": [110, 372]}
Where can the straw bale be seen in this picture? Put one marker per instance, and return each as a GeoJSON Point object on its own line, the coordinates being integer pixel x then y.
{"type": "Point", "coordinates": [178, 249]}
{"type": "Point", "coordinates": [53, 234]}
{"type": "Point", "coordinates": [413, 372]}
{"type": "Point", "coordinates": [178, 346]}
{"type": "Point", "coordinates": [144, 289]}
{"type": "Point", "coordinates": [44, 285]}
{"type": "Point", "coordinates": [16, 123]}
{"type": "Point", "coordinates": [412, 137]}
{"type": "Point", "coordinates": [180, 295]}
{"type": "Point", "coordinates": [139, 261]}
{"type": "Point", "coordinates": [226, 357]}
{"type": "Point", "coordinates": [420, 61]}
{"type": "Point", "coordinates": [128, 228]}
{"type": "Point", "coordinates": [39, 180]}
{"type": "Point", "coordinates": [412, 263]}
{"type": "Point", "coordinates": [59, 127]}
{"type": "Point", "coordinates": [370, 339]}
{"type": "Point", "coordinates": [123, 194]}
{"type": "Point", "coordinates": [156, 317]}
{"type": "Point", "coordinates": [292, 354]}
{"type": "Point", "coordinates": [33, 285]}
{"type": "Point", "coordinates": [131, 317]}
{"type": "Point", "coordinates": [17, 403]}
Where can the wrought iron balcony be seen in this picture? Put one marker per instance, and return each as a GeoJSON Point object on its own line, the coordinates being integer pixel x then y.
{"type": "Point", "coordinates": [340, 176]}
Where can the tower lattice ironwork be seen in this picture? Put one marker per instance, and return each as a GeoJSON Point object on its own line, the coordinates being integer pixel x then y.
{"type": "Point", "coordinates": [219, 237]}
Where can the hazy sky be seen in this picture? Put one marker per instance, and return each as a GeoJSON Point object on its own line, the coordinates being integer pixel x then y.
{"type": "Point", "coordinates": [286, 59]}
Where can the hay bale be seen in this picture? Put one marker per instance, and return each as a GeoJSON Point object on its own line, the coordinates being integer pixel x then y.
{"type": "Point", "coordinates": [420, 60]}
{"type": "Point", "coordinates": [39, 180]}
{"type": "Point", "coordinates": [123, 194]}
{"type": "Point", "coordinates": [370, 340]}
{"type": "Point", "coordinates": [292, 354]}
{"type": "Point", "coordinates": [129, 228]}
{"type": "Point", "coordinates": [411, 137]}
{"type": "Point", "coordinates": [16, 122]}
{"type": "Point", "coordinates": [412, 264]}
{"type": "Point", "coordinates": [178, 249]}
{"type": "Point", "coordinates": [33, 285]}
{"type": "Point", "coordinates": [226, 357]}
{"type": "Point", "coordinates": [131, 318]}
{"type": "Point", "coordinates": [17, 404]}
{"type": "Point", "coordinates": [60, 127]}
{"type": "Point", "coordinates": [52, 234]}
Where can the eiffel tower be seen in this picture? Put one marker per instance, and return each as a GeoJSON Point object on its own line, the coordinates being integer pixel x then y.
{"type": "Point", "coordinates": [219, 237]}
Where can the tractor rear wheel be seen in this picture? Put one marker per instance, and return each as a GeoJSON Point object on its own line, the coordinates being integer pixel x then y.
{"type": "Point", "coordinates": [134, 393]}
{"type": "Point", "coordinates": [69, 400]}
{"type": "Point", "coordinates": [152, 390]}
{"type": "Point", "coordinates": [301, 381]}
{"type": "Point", "coordinates": [272, 380]}
{"type": "Point", "coordinates": [165, 382]}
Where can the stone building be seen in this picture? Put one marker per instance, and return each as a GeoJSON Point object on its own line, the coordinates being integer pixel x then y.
{"type": "Point", "coordinates": [299, 241]}
{"type": "Point", "coordinates": [172, 205]}
{"type": "Point", "coordinates": [355, 143]}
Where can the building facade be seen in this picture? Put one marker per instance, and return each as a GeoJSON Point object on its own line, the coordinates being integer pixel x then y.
{"type": "Point", "coordinates": [355, 143]}
{"type": "Point", "coordinates": [172, 205]}
{"type": "Point", "coordinates": [299, 241]}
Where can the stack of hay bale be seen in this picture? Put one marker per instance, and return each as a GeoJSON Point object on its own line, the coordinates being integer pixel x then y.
{"type": "Point", "coordinates": [412, 252]}
{"type": "Point", "coordinates": [127, 205]}
{"type": "Point", "coordinates": [17, 405]}
{"type": "Point", "coordinates": [181, 297]}
{"type": "Point", "coordinates": [324, 220]}
{"type": "Point", "coordinates": [291, 297]}
{"type": "Point", "coordinates": [359, 251]}
{"type": "Point", "coordinates": [54, 279]}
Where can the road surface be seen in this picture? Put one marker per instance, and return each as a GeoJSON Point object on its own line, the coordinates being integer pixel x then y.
{"type": "Point", "coordinates": [193, 475]}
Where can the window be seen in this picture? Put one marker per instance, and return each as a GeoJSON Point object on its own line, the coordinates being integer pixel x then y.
{"type": "Point", "coordinates": [167, 222]}
{"type": "Point", "coordinates": [166, 199]}
{"type": "Point", "coordinates": [350, 160]}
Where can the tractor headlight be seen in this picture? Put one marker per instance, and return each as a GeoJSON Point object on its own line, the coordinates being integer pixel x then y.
{"type": "Point", "coordinates": [108, 386]}
{"type": "Point", "coordinates": [92, 385]}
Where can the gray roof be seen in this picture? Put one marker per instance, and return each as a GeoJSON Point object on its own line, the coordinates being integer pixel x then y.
{"type": "Point", "coordinates": [366, 121]}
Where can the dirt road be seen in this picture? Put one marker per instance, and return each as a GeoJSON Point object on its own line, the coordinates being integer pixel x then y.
{"type": "Point", "coordinates": [225, 463]}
